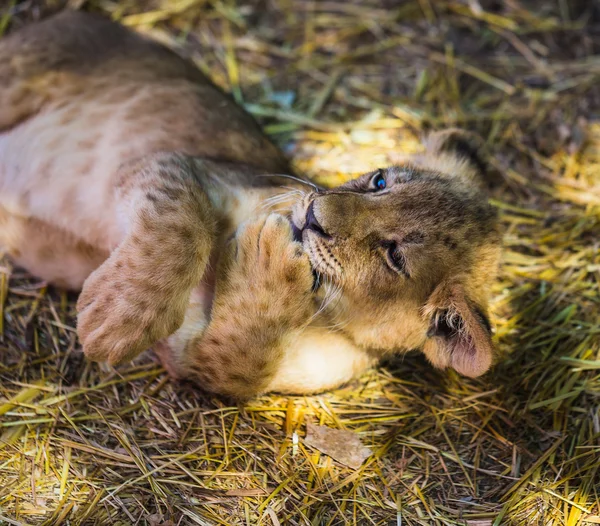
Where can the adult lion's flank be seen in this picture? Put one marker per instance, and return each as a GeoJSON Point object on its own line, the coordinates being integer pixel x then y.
{"type": "Point", "coordinates": [126, 174]}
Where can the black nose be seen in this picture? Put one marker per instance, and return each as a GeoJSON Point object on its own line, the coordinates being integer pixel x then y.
{"type": "Point", "coordinates": [311, 222]}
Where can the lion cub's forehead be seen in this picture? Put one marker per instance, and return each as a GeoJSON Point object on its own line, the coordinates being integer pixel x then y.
{"type": "Point", "coordinates": [403, 173]}
{"type": "Point", "coordinates": [400, 175]}
{"type": "Point", "coordinates": [432, 202]}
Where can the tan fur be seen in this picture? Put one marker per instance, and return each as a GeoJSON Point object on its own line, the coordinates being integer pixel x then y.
{"type": "Point", "coordinates": [46, 250]}
{"type": "Point", "coordinates": [126, 173]}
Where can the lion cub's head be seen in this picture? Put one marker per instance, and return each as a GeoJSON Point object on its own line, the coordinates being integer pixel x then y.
{"type": "Point", "coordinates": [410, 253]}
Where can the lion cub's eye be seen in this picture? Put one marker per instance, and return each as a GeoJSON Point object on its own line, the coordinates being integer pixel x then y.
{"type": "Point", "coordinates": [378, 181]}
{"type": "Point", "coordinates": [394, 258]}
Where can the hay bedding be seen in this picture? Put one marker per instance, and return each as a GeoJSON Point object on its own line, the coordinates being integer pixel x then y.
{"type": "Point", "coordinates": [346, 86]}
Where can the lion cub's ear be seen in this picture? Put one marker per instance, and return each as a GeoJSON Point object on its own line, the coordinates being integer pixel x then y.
{"type": "Point", "coordinates": [456, 152]}
{"type": "Point", "coordinates": [459, 334]}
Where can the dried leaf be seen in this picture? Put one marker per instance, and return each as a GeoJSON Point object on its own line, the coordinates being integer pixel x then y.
{"type": "Point", "coordinates": [341, 445]}
{"type": "Point", "coordinates": [156, 519]}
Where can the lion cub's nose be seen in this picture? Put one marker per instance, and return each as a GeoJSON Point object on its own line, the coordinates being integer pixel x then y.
{"type": "Point", "coordinates": [312, 223]}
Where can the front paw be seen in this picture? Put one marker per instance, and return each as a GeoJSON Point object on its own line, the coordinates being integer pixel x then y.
{"type": "Point", "coordinates": [273, 269]}
{"type": "Point", "coordinates": [122, 311]}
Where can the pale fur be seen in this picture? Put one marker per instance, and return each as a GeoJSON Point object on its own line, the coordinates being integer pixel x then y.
{"type": "Point", "coordinates": [125, 173]}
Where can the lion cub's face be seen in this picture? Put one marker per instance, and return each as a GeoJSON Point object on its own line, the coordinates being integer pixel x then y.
{"type": "Point", "coordinates": [411, 251]}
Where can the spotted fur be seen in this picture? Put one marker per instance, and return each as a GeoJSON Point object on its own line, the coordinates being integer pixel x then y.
{"type": "Point", "coordinates": [125, 173]}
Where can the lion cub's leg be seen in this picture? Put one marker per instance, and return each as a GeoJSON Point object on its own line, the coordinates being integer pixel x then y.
{"type": "Point", "coordinates": [263, 299]}
{"type": "Point", "coordinates": [140, 293]}
{"type": "Point", "coordinates": [48, 252]}
{"type": "Point", "coordinates": [259, 338]}
{"type": "Point", "coordinates": [303, 362]}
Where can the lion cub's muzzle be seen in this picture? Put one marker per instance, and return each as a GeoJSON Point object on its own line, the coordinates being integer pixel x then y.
{"type": "Point", "coordinates": [309, 223]}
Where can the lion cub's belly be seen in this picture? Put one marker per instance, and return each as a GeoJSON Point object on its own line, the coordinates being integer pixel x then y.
{"type": "Point", "coordinates": [58, 168]}
{"type": "Point", "coordinates": [60, 165]}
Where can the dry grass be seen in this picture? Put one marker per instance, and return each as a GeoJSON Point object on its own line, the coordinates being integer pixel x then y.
{"type": "Point", "coordinates": [345, 86]}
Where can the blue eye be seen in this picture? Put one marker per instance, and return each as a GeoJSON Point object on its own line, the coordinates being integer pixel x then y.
{"type": "Point", "coordinates": [378, 181]}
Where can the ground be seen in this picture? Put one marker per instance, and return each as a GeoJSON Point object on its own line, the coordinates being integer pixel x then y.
{"type": "Point", "coordinates": [346, 86]}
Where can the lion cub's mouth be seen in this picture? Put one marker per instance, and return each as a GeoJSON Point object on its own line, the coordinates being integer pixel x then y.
{"type": "Point", "coordinates": [296, 232]}
{"type": "Point", "coordinates": [310, 224]}
{"type": "Point", "coordinates": [315, 241]}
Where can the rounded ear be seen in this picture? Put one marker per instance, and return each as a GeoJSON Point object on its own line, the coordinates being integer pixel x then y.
{"type": "Point", "coordinates": [458, 152]}
{"type": "Point", "coordinates": [459, 334]}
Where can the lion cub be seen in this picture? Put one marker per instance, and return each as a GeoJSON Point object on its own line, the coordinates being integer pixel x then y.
{"type": "Point", "coordinates": [127, 174]}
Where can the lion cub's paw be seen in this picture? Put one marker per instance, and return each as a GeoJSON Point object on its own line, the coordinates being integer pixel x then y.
{"type": "Point", "coordinates": [123, 309]}
{"type": "Point", "coordinates": [273, 270]}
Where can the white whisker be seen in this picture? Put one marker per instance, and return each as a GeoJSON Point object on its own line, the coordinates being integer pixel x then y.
{"type": "Point", "coordinates": [333, 292]}
{"type": "Point", "coordinates": [314, 186]}
{"type": "Point", "coordinates": [283, 196]}
{"type": "Point", "coordinates": [280, 198]}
